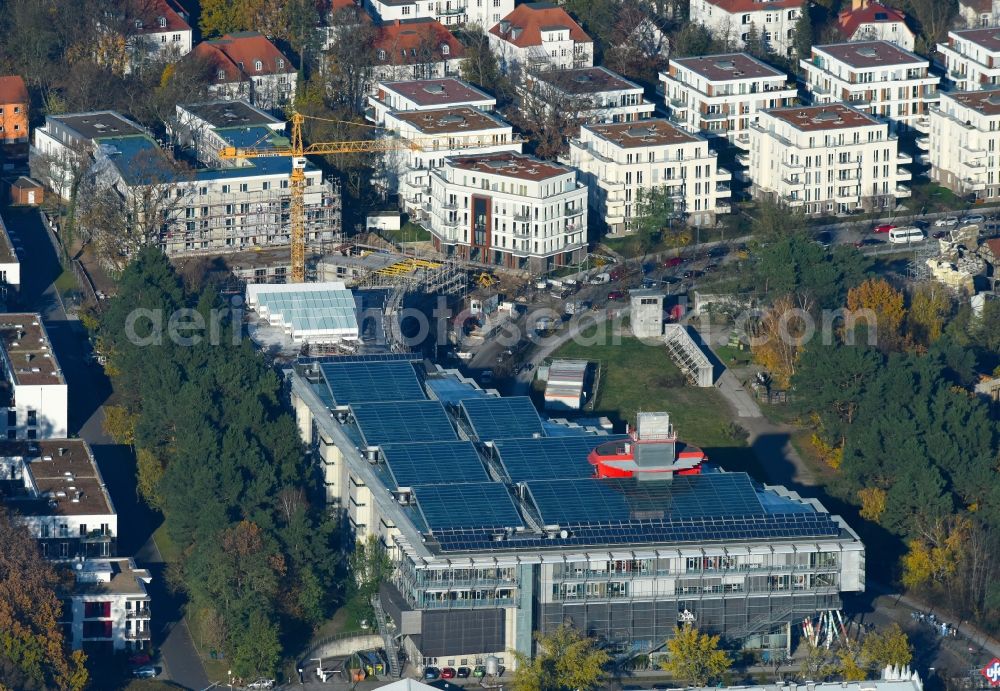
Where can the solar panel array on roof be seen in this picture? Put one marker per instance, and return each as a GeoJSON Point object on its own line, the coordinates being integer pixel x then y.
{"type": "Point", "coordinates": [359, 382]}
{"type": "Point", "coordinates": [385, 422]}
{"type": "Point", "coordinates": [425, 463]}
{"type": "Point", "coordinates": [449, 390]}
{"type": "Point", "coordinates": [308, 310]}
{"type": "Point", "coordinates": [581, 502]}
{"type": "Point", "coordinates": [469, 506]}
{"type": "Point", "coordinates": [367, 357]}
{"type": "Point", "coordinates": [550, 458]}
{"type": "Point", "coordinates": [502, 418]}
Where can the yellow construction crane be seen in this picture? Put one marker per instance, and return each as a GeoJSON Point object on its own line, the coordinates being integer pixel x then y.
{"type": "Point", "coordinates": [297, 180]}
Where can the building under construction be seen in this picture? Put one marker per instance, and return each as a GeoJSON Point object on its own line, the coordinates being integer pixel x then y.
{"type": "Point", "coordinates": [502, 523]}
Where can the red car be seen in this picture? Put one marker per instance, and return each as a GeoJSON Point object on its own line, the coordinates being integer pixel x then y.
{"type": "Point", "coordinates": [884, 228]}
{"type": "Point", "coordinates": [672, 262]}
{"type": "Point", "coordinates": [615, 295]}
{"type": "Point", "coordinates": [447, 673]}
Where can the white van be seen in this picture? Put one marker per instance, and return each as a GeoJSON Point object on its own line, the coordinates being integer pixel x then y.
{"type": "Point", "coordinates": [902, 236]}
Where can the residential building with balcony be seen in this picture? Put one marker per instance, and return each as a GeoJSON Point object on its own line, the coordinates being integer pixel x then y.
{"type": "Point", "coordinates": [867, 20]}
{"type": "Point", "coordinates": [876, 77]}
{"type": "Point", "coordinates": [825, 160]}
{"type": "Point", "coordinates": [56, 490]}
{"type": "Point", "coordinates": [721, 95]}
{"type": "Point", "coordinates": [522, 523]}
{"type": "Point", "coordinates": [618, 162]}
{"type": "Point", "coordinates": [729, 21]}
{"type": "Point", "coordinates": [508, 209]}
{"type": "Point", "coordinates": [424, 94]}
{"type": "Point", "coordinates": [592, 94]}
{"type": "Point", "coordinates": [483, 13]}
{"type": "Point", "coordinates": [965, 136]}
{"type": "Point", "coordinates": [247, 66]}
{"type": "Point", "coordinates": [433, 136]}
{"type": "Point", "coordinates": [972, 59]}
{"type": "Point", "coordinates": [34, 389]}
{"type": "Point", "coordinates": [107, 608]}
{"type": "Point", "coordinates": [540, 35]}
{"type": "Point", "coordinates": [14, 103]}
{"type": "Point", "coordinates": [416, 49]}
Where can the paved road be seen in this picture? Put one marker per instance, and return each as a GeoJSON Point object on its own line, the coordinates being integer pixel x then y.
{"type": "Point", "coordinates": [89, 390]}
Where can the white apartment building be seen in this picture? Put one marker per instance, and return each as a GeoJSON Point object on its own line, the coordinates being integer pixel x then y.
{"type": "Point", "coordinates": [965, 136]}
{"type": "Point", "coordinates": [66, 145]}
{"type": "Point", "coordinates": [34, 389]}
{"type": "Point", "coordinates": [540, 35]}
{"type": "Point", "coordinates": [424, 94]}
{"type": "Point", "coordinates": [416, 49]}
{"type": "Point", "coordinates": [434, 136]}
{"type": "Point", "coordinates": [107, 608]}
{"type": "Point", "coordinates": [208, 127]}
{"type": "Point", "coordinates": [876, 77]}
{"type": "Point", "coordinates": [873, 21]}
{"type": "Point", "coordinates": [484, 13]}
{"type": "Point", "coordinates": [508, 209]}
{"type": "Point", "coordinates": [162, 33]}
{"type": "Point", "coordinates": [721, 95]}
{"type": "Point", "coordinates": [826, 159]}
{"type": "Point", "coordinates": [594, 94]}
{"type": "Point", "coordinates": [618, 161]}
{"type": "Point", "coordinates": [972, 59]}
{"type": "Point", "coordinates": [59, 495]}
{"type": "Point", "coordinates": [10, 269]}
{"type": "Point", "coordinates": [730, 21]}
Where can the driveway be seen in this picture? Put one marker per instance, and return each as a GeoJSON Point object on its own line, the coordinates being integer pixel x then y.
{"type": "Point", "coordinates": [89, 391]}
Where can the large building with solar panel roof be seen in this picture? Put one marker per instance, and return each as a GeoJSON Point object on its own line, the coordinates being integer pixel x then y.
{"type": "Point", "coordinates": [502, 523]}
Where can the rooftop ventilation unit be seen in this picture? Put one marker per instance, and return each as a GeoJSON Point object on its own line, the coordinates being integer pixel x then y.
{"type": "Point", "coordinates": [725, 65]}
{"type": "Point", "coordinates": [868, 52]}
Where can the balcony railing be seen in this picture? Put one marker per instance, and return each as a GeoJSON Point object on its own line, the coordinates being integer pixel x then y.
{"type": "Point", "coordinates": [137, 613]}
{"type": "Point", "coordinates": [452, 10]}
{"type": "Point", "coordinates": [133, 635]}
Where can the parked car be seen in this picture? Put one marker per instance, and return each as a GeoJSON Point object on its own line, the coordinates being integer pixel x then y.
{"type": "Point", "coordinates": [447, 672]}
{"type": "Point", "coordinates": [463, 672]}
{"type": "Point", "coordinates": [718, 251]}
{"type": "Point", "coordinates": [867, 242]}
{"type": "Point", "coordinates": [670, 279]}
{"type": "Point", "coordinates": [940, 234]}
{"type": "Point", "coordinates": [974, 218]}
{"type": "Point", "coordinates": [884, 228]}
{"type": "Point", "coordinates": [693, 273]}
{"type": "Point", "coordinates": [432, 673]}
{"type": "Point", "coordinates": [616, 295]}
{"type": "Point", "coordinates": [946, 222]}
{"type": "Point", "coordinates": [146, 672]}
{"type": "Point", "coordinates": [479, 672]}
{"type": "Point", "coordinates": [672, 262]}
{"type": "Point", "coordinates": [261, 684]}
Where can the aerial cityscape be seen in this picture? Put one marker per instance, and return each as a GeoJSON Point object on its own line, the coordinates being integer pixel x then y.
{"type": "Point", "coordinates": [560, 345]}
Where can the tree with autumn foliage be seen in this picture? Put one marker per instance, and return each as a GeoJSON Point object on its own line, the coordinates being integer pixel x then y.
{"type": "Point", "coordinates": [33, 653]}
{"type": "Point", "coordinates": [779, 334]}
{"type": "Point", "coordinates": [694, 657]}
{"type": "Point", "coordinates": [930, 305]}
{"type": "Point", "coordinates": [885, 303]}
{"type": "Point", "coordinates": [889, 646]}
{"type": "Point", "coordinates": [566, 660]}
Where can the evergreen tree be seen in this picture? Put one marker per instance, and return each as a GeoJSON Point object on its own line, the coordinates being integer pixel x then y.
{"type": "Point", "coordinates": [804, 33]}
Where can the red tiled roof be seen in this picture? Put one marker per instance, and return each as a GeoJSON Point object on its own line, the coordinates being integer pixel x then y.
{"type": "Point", "coordinates": [13, 90]}
{"type": "Point", "coordinates": [208, 51]}
{"type": "Point", "coordinates": [247, 47]}
{"type": "Point", "coordinates": [873, 13]}
{"type": "Point", "coordinates": [162, 9]}
{"type": "Point", "coordinates": [531, 18]}
{"type": "Point", "coordinates": [406, 42]}
{"type": "Point", "coordinates": [733, 6]}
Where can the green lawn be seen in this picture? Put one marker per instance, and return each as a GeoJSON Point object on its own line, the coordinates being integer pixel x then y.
{"type": "Point", "coordinates": [410, 232]}
{"type": "Point", "coordinates": [66, 282]}
{"type": "Point", "coordinates": [638, 377]}
{"type": "Point", "coordinates": [168, 549]}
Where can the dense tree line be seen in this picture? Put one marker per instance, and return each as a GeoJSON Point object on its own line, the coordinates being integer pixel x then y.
{"type": "Point", "coordinates": [220, 456]}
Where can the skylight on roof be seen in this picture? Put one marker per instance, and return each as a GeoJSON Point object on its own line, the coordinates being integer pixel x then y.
{"type": "Point", "coordinates": [868, 52]}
